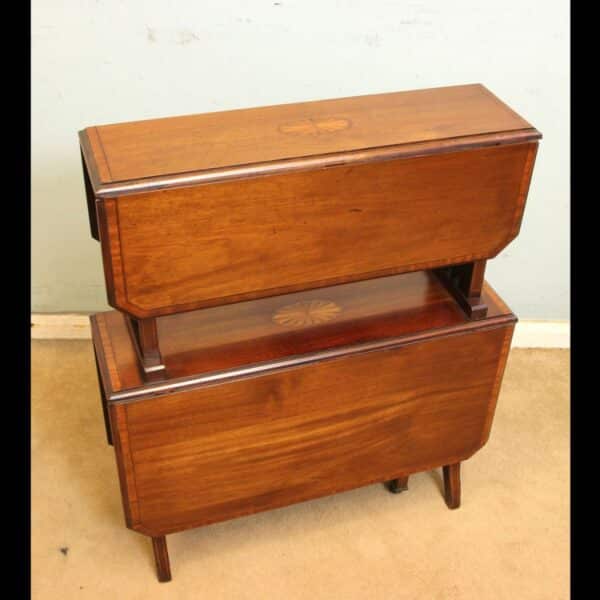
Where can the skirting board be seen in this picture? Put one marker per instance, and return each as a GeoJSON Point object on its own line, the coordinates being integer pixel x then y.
{"type": "Point", "coordinates": [528, 334]}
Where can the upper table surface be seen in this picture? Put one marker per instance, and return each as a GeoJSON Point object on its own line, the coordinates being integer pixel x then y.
{"type": "Point", "coordinates": [197, 143]}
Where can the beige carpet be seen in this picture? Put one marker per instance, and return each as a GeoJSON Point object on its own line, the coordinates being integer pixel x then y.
{"type": "Point", "coordinates": [509, 540]}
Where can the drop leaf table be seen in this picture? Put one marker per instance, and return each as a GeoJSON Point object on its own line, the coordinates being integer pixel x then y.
{"type": "Point", "coordinates": [300, 297]}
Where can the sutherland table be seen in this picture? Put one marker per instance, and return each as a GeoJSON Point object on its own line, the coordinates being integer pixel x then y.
{"type": "Point", "coordinates": [300, 295]}
{"type": "Point", "coordinates": [279, 400]}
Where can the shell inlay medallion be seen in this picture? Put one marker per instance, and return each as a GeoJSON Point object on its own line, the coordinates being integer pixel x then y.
{"type": "Point", "coordinates": [306, 312]}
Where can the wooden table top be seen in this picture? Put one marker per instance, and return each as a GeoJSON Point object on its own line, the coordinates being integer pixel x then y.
{"type": "Point", "coordinates": [159, 148]}
{"type": "Point", "coordinates": [290, 329]}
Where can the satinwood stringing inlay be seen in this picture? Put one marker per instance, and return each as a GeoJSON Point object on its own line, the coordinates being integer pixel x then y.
{"type": "Point", "coordinates": [307, 312]}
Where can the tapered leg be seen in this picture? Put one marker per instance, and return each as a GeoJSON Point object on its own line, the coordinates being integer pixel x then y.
{"type": "Point", "coordinates": [452, 485]}
{"type": "Point", "coordinates": [161, 556]}
{"type": "Point", "coordinates": [471, 284]}
{"type": "Point", "coordinates": [399, 485]}
{"type": "Point", "coordinates": [144, 333]}
{"type": "Point", "coordinates": [465, 283]}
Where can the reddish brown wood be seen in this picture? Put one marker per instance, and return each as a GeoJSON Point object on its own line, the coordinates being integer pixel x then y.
{"type": "Point", "coordinates": [125, 466]}
{"type": "Point", "coordinates": [181, 244]}
{"type": "Point", "coordinates": [103, 401]}
{"type": "Point", "coordinates": [325, 357]}
{"type": "Point", "coordinates": [161, 557]}
{"type": "Point", "coordinates": [181, 249]}
{"type": "Point", "coordinates": [465, 283]}
{"type": "Point", "coordinates": [473, 284]}
{"type": "Point", "coordinates": [373, 314]}
{"type": "Point", "coordinates": [525, 181]}
{"type": "Point", "coordinates": [325, 198]}
{"type": "Point", "coordinates": [191, 452]}
{"type": "Point", "coordinates": [452, 485]}
{"type": "Point", "coordinates": [158, 148]}
{"type": "Point", "coordinates": [498, 381]}
{"type": "Point", "coordinates": [471, 288]}
{"type": "Point", "coordinates": [110, 251]}
{"type": "Point", "coordinates": [245, 333]}
{"type": "Point", "coordinates": [113, 346]}
{"type": "Point", "coordinates": [399, 485]}
{"type": "Point", "coordinates": [91, 201]}
{"type": "Point", "coordinates": [95, 157]}
{"type": "Point", "coordinates": [145, 338]}
{"type": "Point", "coordinates": [323, 161]}
{"type": "Point", "coordinates": [191, 456]}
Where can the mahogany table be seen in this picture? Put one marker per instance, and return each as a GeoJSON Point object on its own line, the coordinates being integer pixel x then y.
{"type": "Point", "coordinates": [300, 297]}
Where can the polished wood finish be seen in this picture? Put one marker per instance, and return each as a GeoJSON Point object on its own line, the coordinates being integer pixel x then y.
{"type": "Point", "coordinates": [227, 341]}
{"type": "Point", "coordinates": [161, 558]}
{"type": "Point", "coordinates": [452, 485]}
{"type": "Point", "coordinates": [472, 284]}
{"type": "Point", "coordinates": [214, 142]}
{"type": "Point", "coordinates": [189, 451]}
{"type": "Point", "coordinates": [399, 485]}
{"type": "Point", "coordinates": [103, 401]}
{"type": "Point", "coordinates": [465, 283]}
{"type": "Point", "coordinates": [209, 210]}
{"type": "Point", "coordinates": [301, 299]}
{"type": "Point", "coordinates": [195, 247]}
{"type": "Point", "coordinates": [195, 454]}
{"type": "Point", "coordinates": [144, 335]}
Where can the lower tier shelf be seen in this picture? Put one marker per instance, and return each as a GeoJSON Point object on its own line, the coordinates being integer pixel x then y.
{"type": "Point", "coordinates": [308, 324]}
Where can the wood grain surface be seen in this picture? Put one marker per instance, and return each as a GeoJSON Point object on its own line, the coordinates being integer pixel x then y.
{"type": "Point", "coordinates": [195, 247]}
{"type": "Point", "coordinates": [223, 339]}
{"type": "Point", "coordinates": [218, 452]}
{"type": "Point", "coordinates": [325, 355]}
{"type": "Point", "coordinates": [187, 144]}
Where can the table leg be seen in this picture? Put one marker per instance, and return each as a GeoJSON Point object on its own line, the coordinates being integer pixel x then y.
{"type": "Point", "coordinates": [161, 556]}
{"type": "Point", "coordinates": [398, 485]}
{"type": "Point", "coordinates": [144, 334]}
{"type": "Point", "coordinates": [452, 485]}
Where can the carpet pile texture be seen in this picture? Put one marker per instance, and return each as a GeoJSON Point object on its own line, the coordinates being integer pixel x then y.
{"type": "Point", "coordinates": [509, 539]}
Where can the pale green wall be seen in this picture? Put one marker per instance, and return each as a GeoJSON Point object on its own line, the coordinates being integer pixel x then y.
{"type": "Point", "coordinates": [98, 62]}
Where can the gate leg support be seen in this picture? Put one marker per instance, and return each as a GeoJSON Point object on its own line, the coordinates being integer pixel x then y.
{"type": "Point", "coordinates": [144, 333]}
